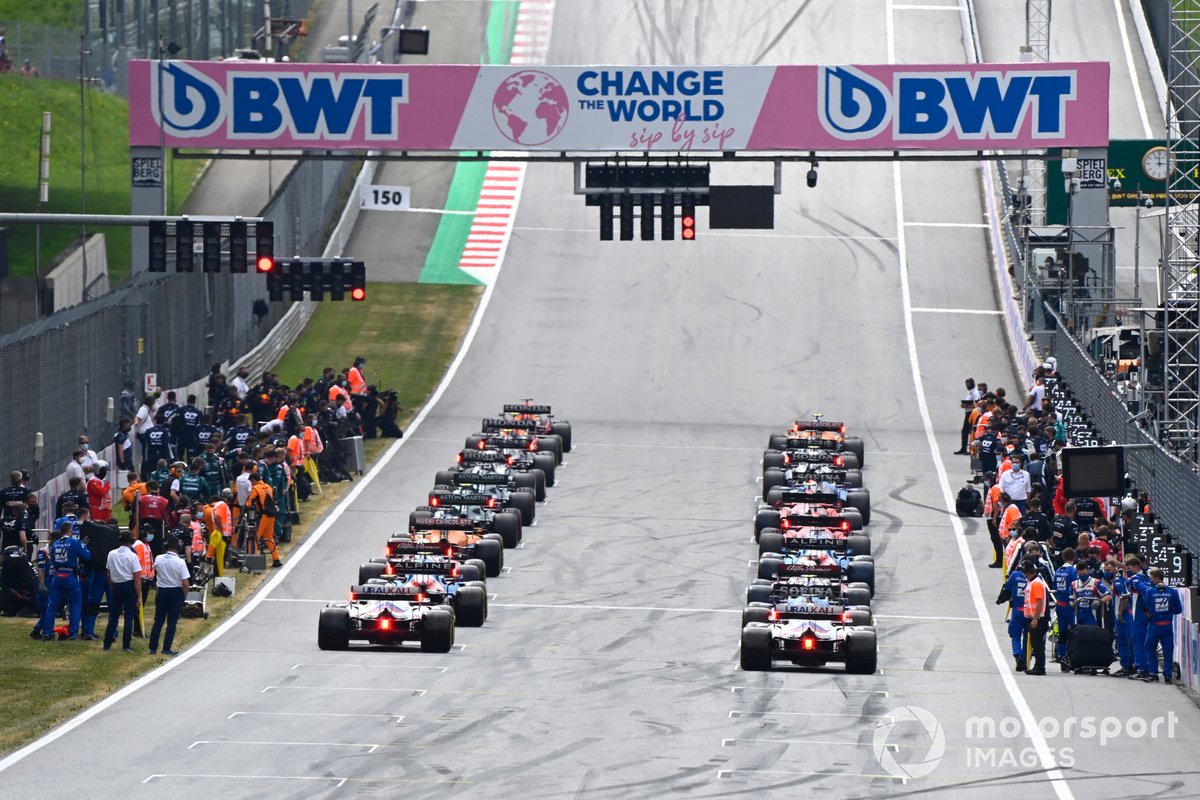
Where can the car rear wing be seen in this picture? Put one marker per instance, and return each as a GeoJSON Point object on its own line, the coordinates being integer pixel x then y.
{"type": "Point", "coordinates": [793, 522]}
{"type": "Point", "coordinates": [800, 442]}
{"type": "Point", "coordinates": [808, 541]}
{"type": "Point", "coordinates": [381, 591]}
{"type": "Point", "coordinates": [792, 496]}
{"type": "Point", "coordinates": [481, 479]}
{"type": "Point", "coordinates": [443, 524]}
{"type": "Point", "coordinates": [460, 499]}
{"type": "Point", "coordinates": [812, 456]}
{"type": "Point", "coordinates": [813, 611]}
{"type": "Point", "coordinates": [398, 547]}
{"type": "Point", "coordinates": [818, 425]}
{"type": "Point", "coordinates": [496, 424]}
{"type": "Point", "coordinates": [786, 570]}
{"type": "Point", "coordinates": [525, 408]}
{"type": "Point", "coordinates": [497, 442]}
{"type": "Point", "coordinates": [493, 456]}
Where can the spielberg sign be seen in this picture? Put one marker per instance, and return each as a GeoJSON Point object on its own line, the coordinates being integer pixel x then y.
{"type": "Point", "coordinates": [606, 109]}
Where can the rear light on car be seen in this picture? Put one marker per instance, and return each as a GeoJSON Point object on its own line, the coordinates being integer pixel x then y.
{"type": "Point", "coordinates": [491, 503]}
{"type": "Point", "coordinates": [784, 524]}
{"type": "Point", "coordinates": [787, 459]}
{"type": "Point", "coordinates": [433, 501]}
{"type": "Point", "coordinates": [533, 445]}
{"type": "Point", "coordinates": [510, 460]}
{"type": "Point", "coordinates": [482, 444]}
{"type": "Point", "coordinates": [845, 524]}
{"type": "Point", "coordinates": [385, 623]}
{"type": "Point", "coordinates": [808, 644]}
{"type": "Point", "coordinates": [458, 459]}
{"type": "Point", "coordinates": [449, 552]}
{"type": "Point", "coordinates": [845, 617]}
{"type": "Point", "coordinates": [420, 597]}
{"type": "Point", "coordinates": [454, 572]}
{"type": "Point", "coordinates": [388, 570]}
{"type": "Point", "coordinates": [773, 615]}
{"type": "Point", "coordinates": [837, 461]}
{"type": "Point", "coordinates": [842, 429]}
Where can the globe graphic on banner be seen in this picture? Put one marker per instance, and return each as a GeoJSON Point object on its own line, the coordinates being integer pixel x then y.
{"type": "Point", "coordinates": [530, 107]}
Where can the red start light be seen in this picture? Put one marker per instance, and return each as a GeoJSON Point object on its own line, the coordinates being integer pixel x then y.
{"type": "Point", "coordinates": [689, 222]}
{"type": "Point", "coordinates": [358, 293]}
{"type": "Point", "coordinates": [385, 624]}
{"type": "Point", "coordinates": [265, 263]}
{"type": "Point", "coordinates": [688, 233]}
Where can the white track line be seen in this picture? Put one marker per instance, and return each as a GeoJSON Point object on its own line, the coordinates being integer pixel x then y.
{"type": "Point", "coordinates": [1147, 133]}
{"type": "Point", "coordinates": [1038, 740]}
{"type": "Point", "coordinates": [273, 584]}
{"type": "Point", "coordinates": [927, 310]}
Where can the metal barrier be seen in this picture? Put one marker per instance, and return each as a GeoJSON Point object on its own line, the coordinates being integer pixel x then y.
{"type": "Point", "coordinates": [1173, 484]}
{"type": "Point", "coordinates": [60, 370]}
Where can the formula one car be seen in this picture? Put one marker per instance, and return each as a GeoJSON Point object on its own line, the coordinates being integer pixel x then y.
{"type": "Point", "coordinates": [508, 454]}
{"type": "Point", "coordinates": [458, 539]}
{"type": "Point", "coordinates": [807, 585]}
{"type": "Point", "coordinates": [481, 510]}
{"type": "Point", "coordinates": [440, 577]}
{"type": "Point", "coordinates": [817, 433]}
{"type": "Point", "coordinates": [504, 426]}
{"type": "Point", "coordinates": [548, 424]}
{"type": "Point", "coordinates": [780, 469]}
{"type": "Point", "coordinates": [808, 631]}
{"type": "Point", "coordinates": [386, 613]}
{"type": "Point", "coordinates": [808, 506]}
{"type": "Point", "coordinates": [826, 556]}
{"type": "Point", "coordinates": [499, 487]}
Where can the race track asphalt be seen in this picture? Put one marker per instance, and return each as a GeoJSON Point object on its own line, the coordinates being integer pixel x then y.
{"type": "Point", "coordinates": [608, 668]}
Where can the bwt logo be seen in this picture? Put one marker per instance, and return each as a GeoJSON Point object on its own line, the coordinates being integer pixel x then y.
{"type": "Point", "coordinates": [262, 104]}
{"type": "Point", "coordinates": [928, 105]}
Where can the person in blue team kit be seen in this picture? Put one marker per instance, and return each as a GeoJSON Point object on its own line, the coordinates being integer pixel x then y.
{"type": "Point", "coordinates": [1014, 593]}
{"type": "Point", "coordinates": [1139, 587]}
{"type": "Point", "coordinates": [65, 554]}
{"type": "Point", "coordinates": [1163, 604]}
{"type": "Point", "coordinates": [1064, 579]}
{"type": "Point", "coordinates": [1122, 617]}
{"type": "Point", "coordinates": [1088, 596]}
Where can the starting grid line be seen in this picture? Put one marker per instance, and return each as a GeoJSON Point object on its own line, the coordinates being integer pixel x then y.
{"type": "Point", "coordinates": [336, 780]}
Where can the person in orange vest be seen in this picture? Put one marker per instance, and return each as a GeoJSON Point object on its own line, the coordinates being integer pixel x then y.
{"type": "Point", "coordinates": [991, 510]}
{"type": "Point", "coordinates": [1036, 594]}
{"type": "Point", "coordinates": [339, 397]}
{"type": "Point", "coordinates": [313, 447]}
{"type": "Point", "coordinates": [296, 455]}
{"type": "Point", "coordinates": [262, 501]}
{"type": "Point", "coordinates": [129, 495]}
{"type": "Point", "coordinates": [221, 531]}
{"type": "Point", "coordinates": [141, 549]}
{"type": "Point", "coordinates": [197, 548]}
{"type": "Point", "coordinates": [355, 377]}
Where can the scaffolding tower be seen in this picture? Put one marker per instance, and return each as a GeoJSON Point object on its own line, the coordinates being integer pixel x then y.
{"type": "Point", "coordinates": [1179, 415]}
{"type": "Point", "coordinates": [1037, 49]}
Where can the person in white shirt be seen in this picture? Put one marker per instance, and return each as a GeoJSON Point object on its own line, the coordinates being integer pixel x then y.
{"type": "Point", "coordinates": [75, 467]}
{"type": "Point", "coordinates": [240, 387]}
{"type": "Point", "coordinates": [171, 575]}
{"type": "Point", "coordinates": [89, 455]}
{"type": "Point", "coordinates": [1016, 483]}
{"type": "Point", "coordinates": [968, 403]}
{"type": "Point", "coordinates": [1037, 393]}
{"type": "Point", "coordinates": [125, 591]}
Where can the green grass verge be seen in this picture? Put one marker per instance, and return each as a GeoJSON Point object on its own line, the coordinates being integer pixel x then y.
{"type": "Point", "coordinates": [408, 333]}
{"type": "Point", "coordinates": [60, 13]}
{"type": "Point", "coordinates": [22, 102]}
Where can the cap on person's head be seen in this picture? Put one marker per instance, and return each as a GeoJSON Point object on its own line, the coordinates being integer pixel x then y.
{"type": "Point", "coordinates": [63, 522]}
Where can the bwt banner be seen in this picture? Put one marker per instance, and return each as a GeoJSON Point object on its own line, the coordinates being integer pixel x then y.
{"type": "Point", "coordinates": [457, 107]}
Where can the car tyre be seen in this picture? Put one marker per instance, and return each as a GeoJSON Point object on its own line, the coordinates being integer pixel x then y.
{"type": "Point", "coordinates": [370, 570]}
{"type": "Point", "coordinates": [491, 554]}
{"type": "Point", "coordinates": [333, 629]}
{"type": "Point", "coordinates": [471, 607]}
{"type": "Point", "coordinates": [437, 631]}
{"type": "Point", "coordinates": [508, 525]}
{"type": "Point", "coordinates": [756, 649]}
{"type": "Point", "coordinates": [770, 541]}
{"type": "Point", "coordinates": [862, 653]}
